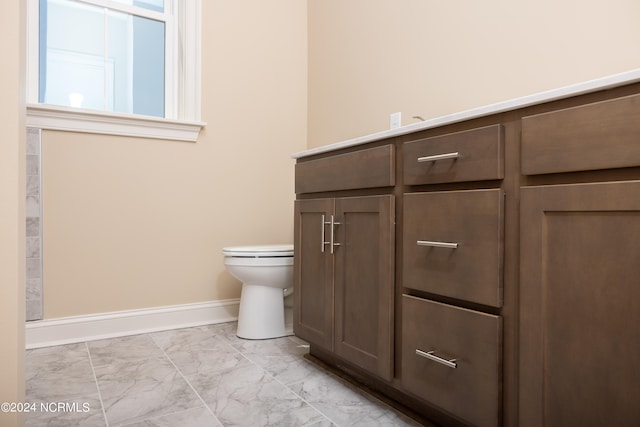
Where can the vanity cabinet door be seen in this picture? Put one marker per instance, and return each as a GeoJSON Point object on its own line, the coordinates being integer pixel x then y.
{"type": "Point", "coordinates": [344, 278]}
{"type": "Point", "coordinates": [313, 273]}
{"type": "Point", "coordinates": [364, 282]}
{"type": "Point", "coordinates": [580, 287]}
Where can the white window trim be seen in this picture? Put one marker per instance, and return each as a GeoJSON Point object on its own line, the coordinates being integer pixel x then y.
{"type": "Point", "coordinates": [186, 128]}
{"type": "Point", "coordinates": [54, 117]}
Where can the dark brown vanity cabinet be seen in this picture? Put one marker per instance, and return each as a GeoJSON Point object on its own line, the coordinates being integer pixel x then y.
{"type": "Point", "coordinates": [344, 264]}
{"type": "Point", "coordinates": [507, 293]}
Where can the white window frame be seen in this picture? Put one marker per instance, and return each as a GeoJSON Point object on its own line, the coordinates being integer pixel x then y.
{"type": "Point", "coordinates": [182, 121]}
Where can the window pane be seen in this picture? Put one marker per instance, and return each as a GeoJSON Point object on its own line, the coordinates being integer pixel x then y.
{"type": "Point", "coordinates": [136, 49]}
{"type": "Point", "coordinates": [148, 67]}
{"type": "Point", "coordinates": [125, 74]}
{"type": "Point", "coordinates": [73, 68]}
{"type": "Point", "coordinates": [156, 5]}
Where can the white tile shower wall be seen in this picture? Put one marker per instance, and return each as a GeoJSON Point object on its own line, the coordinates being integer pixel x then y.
{"type": "Point", "coordinates": [34, 226]}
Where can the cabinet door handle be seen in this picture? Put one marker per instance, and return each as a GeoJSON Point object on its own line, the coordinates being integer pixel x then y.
{"type": "Point", "coordinates": [333, 230]}
{"type": "Point", "coordinates": [322, 241]}
{"type": "Point", "coordinates": [451, 363]}
{"type": "Point", "coordinates": [436, 157]}
{"type": "Point", "coordinates": [437, 244]}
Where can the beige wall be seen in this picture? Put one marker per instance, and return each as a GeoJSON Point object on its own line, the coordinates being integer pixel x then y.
{"type": "Point", "coordinates": [368, 59]}
{"type": "Point", "coordinates": [12, 219]}
{"type": "Point", "coordinates": [136, 223]}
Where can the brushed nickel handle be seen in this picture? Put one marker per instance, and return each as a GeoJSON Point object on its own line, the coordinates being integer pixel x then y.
{"type": "Point", "coordinates": [436, 157]}
{"type": "Point", "coordinates": [451, 363]}
{"type": "Point", "coordinates": [322, 241]}
{"type": "Point", "coordinates": [332, 240]}
{"type": "Point", "coordinates": [437, 244]}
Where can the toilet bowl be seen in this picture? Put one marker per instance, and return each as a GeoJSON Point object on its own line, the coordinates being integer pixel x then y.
{"type": "Point", "coordinates": [266, 273]}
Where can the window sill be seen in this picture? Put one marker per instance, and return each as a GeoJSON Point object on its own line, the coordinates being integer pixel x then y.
{"type": "Point", "coordinates": [54, 117]}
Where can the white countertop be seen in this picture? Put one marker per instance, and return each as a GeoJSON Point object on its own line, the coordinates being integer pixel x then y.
{"type": "Point", "coordinates": [525, 101]}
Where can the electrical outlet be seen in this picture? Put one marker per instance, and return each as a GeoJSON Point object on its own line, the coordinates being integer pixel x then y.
{"type": "Point", "coordinates": [395, 120]}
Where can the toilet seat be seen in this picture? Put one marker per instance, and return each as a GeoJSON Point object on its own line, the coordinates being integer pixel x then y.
{"type": "Point", "coordinates": [259, 251]}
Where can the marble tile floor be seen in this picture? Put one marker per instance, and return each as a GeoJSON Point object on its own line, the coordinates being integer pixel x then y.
{"type": "Point", "coordinates": [194, 377]}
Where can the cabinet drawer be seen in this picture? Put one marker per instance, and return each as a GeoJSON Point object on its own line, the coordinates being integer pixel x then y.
{"type": "Point", "coordinates": [434, 334]}
{"type": "Point", "coordinates": [601, 135]}
{"type": "Point", "coordinates": [370, 168]}
{"type": "Point", "coordinates": [473, 155]}
{"type": "Point", "coordinates": [453, 244]}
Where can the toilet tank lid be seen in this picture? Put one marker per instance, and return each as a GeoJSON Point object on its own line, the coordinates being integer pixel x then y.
{"type": "Point", "coordinates": [259, 250]}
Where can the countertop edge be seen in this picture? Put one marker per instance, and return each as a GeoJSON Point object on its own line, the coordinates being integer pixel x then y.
{"type": "Point", "coordinates": [602, 83]}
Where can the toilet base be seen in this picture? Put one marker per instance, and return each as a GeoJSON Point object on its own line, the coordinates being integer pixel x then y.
{"type": "Point", "coordinates": [261, 314]}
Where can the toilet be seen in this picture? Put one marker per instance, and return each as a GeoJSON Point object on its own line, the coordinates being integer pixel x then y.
{"type": "Point", "coordinates": [266, 273]}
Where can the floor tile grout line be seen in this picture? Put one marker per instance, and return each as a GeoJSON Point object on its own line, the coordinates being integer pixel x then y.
{"type": "Point", "coordinates": [95, 378]}
{"type": "Point", "coordinates": [187, 381]}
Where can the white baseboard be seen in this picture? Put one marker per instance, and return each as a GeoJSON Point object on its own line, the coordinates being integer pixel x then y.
{"type": "Point", "coordinates": [45, 333]}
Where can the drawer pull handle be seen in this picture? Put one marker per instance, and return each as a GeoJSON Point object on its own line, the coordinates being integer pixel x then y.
{"type": "Point", "coordinates": [445, 156]}
{"type": "Point", "coordinates": [333, 234]}
{"type": "Point", "coordinates": [438, 244]}
{"type": "Point", "coordinates": [332, 244]}
{"type": "Point", "coordinates": [451, 363]}
{"type": "Point", "coordinates": [322, 241]}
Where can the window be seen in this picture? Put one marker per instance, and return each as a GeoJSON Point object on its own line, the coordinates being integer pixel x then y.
{"type": "Point", "coordinates": [122, 62]}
